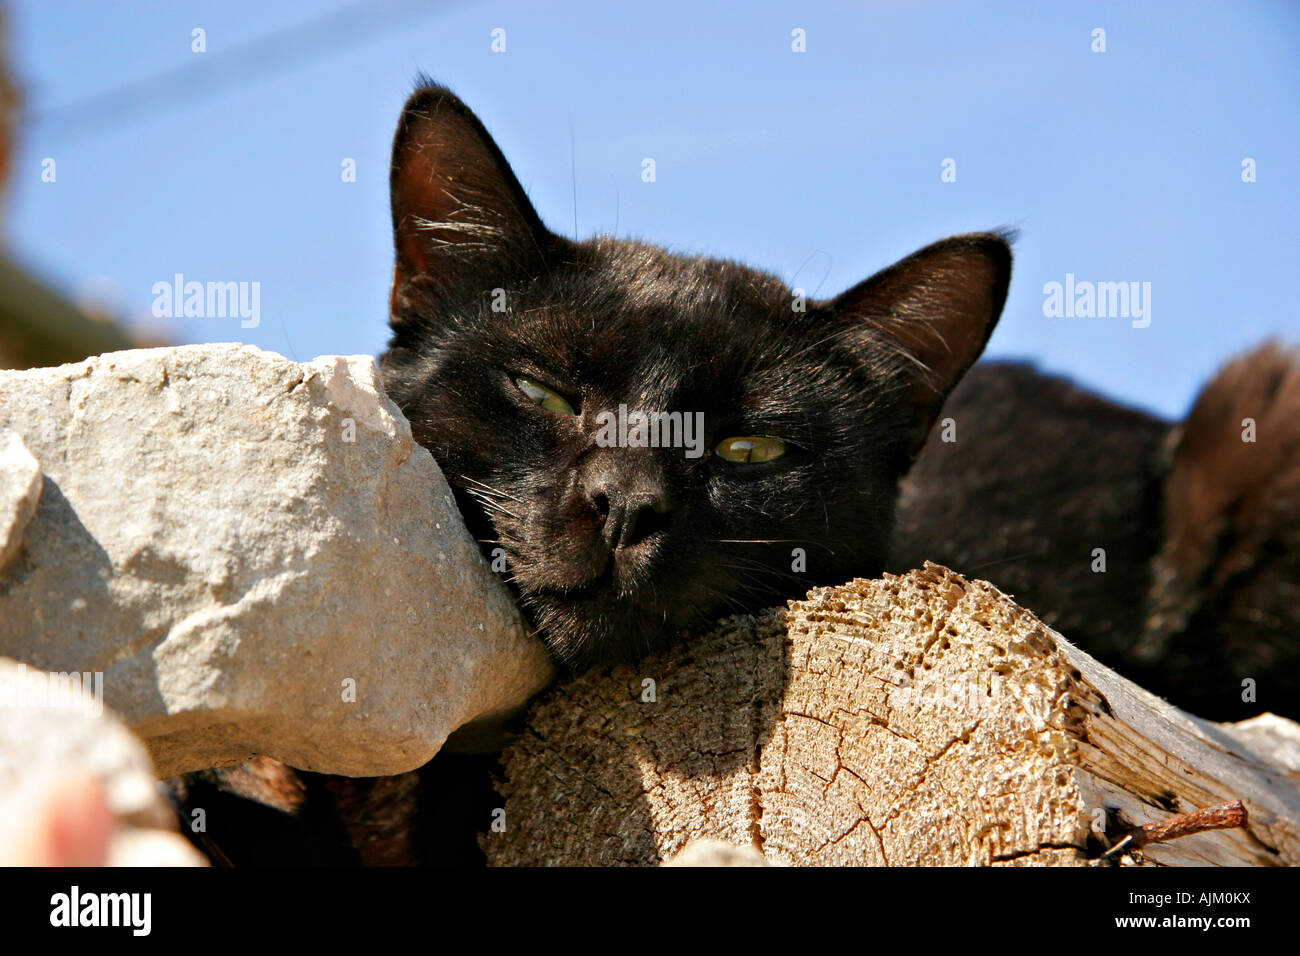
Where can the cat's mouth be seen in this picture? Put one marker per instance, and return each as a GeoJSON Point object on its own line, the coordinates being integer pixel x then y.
{"type": "Point", "coordinates": [573, 573]}
{"type": "Point", "coordinates": [603, 583]}
{"type": "Point", "coordinates": [607, 584]}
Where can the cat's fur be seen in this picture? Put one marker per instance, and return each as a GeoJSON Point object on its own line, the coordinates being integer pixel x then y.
{"type": "Point", "coordinates": [1200, 530]}
{"type": "Point", "coordinates": [616, 551]}
{"type": "Point", "coordinates": [1171, 552]}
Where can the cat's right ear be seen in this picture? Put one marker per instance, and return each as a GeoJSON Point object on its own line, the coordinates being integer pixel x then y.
{"type": "Point", "coordinates": [925, 320]}
{"type": "Point", "coordinates": [459, 214]}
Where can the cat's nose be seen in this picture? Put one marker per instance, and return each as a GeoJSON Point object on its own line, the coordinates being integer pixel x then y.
{"type": "Point", "coordinates": [630, 517]}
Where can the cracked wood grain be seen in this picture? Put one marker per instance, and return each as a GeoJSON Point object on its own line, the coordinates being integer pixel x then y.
{"type": "Point", "coordinates": [920, 719]}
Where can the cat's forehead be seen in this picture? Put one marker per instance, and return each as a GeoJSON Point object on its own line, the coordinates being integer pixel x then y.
{"type": "Point", "coordinates": [655, 268]}
{"type": "Point", "coordinates": [634, 281]}
{"type": "Point", "coordinates": [632, 320]}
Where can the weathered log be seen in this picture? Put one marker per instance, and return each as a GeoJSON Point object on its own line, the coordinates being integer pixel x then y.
{"type": "Point", "coordinates": [910, 720]}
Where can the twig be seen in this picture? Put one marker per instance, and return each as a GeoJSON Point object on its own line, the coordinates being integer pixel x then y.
{"type": "Point", "coordinates": [1224, 816]}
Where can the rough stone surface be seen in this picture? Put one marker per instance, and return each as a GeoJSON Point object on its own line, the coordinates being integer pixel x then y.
{"type": "Point", "coordinates": [237, 541]}
{"type": "Point", "coordinates": [20, 489]}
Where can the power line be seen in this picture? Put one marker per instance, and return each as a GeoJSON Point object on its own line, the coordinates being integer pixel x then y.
{"type": "Point", "coordinates": [250, 62]}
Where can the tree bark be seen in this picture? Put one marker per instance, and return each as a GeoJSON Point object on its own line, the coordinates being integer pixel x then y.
{"type": "Point", "coordinates": [920, 719]}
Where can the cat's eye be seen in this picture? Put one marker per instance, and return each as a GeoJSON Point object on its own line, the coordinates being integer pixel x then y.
{"type": "Point", "coordinates": [749, 449]}
{"type": "Point", "coordinates": [549, 399]}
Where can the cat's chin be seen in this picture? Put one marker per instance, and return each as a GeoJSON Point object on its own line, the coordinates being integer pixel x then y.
{"type": "Point", "coordinates": [593, 626]}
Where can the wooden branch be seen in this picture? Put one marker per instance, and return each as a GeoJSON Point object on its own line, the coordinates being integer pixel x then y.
{"type": "Point", "coordinates": [913, 720]}
{"type": "Point", "coordinates": [1226, 816]}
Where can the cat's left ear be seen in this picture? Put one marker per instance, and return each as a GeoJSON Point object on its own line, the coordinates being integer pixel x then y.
{"type": "Point", "coordinates": [925, 320]}
{"type": "Point", "coordinates": [459, 214]}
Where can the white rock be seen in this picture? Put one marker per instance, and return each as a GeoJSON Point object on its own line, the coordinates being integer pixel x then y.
{"type": "Point", "coordinates": [20, 490]}
{"type": "Point", "coordinates": [248, 549]}
{"type": "Point", "coordinates": [52, 724]}
{"type": "Point", "coordinates": [63, 754]}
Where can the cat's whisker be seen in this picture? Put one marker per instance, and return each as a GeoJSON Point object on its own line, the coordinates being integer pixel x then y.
{"type": "Point", "coordinates": [493, 508]}
{"type": "Point", "coordinates": [487, 489]}
{"type": "Point", "coordinates": [490, 503]}
{"type": "Point", "coordinates": [798, 541]}
{"type": "Point", "coordinates": [765, 591]}
{"type": "Point", "coordinates": [753, 570]}
{"type": "Point", "coordinates": [726, 598]}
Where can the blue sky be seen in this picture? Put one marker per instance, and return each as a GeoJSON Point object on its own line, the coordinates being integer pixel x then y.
{"type": "Point", "coordinates": [821, 166]}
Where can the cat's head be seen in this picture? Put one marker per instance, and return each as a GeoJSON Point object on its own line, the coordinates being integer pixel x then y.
{"type": "Point", "coordinates": [514, 348]}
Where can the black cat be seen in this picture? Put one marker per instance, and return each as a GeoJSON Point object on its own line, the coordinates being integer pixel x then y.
{"type": "Point", "coordinates": [513, 346]}
{"type": "Point", "coordinates": [509, 342]}
{"type": "Point", "coordinates": [1171, 552]}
